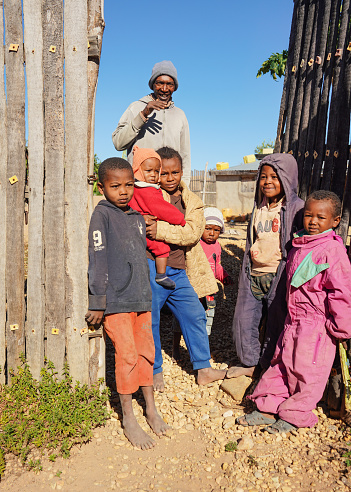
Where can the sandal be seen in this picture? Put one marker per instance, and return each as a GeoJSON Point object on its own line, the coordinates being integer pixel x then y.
{"type": "Point", "coordinates": [255, 418]}
{"type": "Point", "coordinates": [280, 426]}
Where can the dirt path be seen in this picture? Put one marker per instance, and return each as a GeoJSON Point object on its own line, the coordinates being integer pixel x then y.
{"type": "Point", "coordinates": [192, 456]}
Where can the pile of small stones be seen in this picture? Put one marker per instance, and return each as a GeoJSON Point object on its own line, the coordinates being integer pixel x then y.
{"type": "Point", "coordinates": [195, 455]}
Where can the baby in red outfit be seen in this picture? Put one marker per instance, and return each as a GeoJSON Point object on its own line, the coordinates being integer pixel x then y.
{"type": "Point", "coordinates": [148, 200]}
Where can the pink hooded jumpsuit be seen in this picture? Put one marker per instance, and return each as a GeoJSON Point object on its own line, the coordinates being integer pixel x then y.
{"type": "Point", "coordinates": [319, 313]}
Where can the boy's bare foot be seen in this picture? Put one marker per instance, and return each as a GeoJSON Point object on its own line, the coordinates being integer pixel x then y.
{"type": "Point", "coordinates": [157, 424]}
{"type": "Point", "coordinates": [209, 375]}
{"type": "Point", "coordinates": [135, 434]}
{"type": "Point", "coordinates": [236, 371]}
{"type": "Point", "coordinates": [159, 384]}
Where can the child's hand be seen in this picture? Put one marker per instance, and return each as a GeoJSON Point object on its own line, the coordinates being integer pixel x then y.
{"type": "Point", "coordinates": [94, 317]}
{"type": "Point", "coordinates": [228, 281]}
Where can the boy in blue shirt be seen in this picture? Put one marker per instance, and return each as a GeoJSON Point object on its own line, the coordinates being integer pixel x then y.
{"type": "Point", "coordinates": [120, 293]}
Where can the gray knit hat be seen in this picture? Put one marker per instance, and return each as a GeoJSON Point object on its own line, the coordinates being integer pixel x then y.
{"type": "Point", "coordinates": [214, 216]}
{"type": "Point", "coordinates": [164, 67]}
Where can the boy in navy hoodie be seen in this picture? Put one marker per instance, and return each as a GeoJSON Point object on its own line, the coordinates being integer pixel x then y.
{"type": "Point", "coordinates": [120, 293]}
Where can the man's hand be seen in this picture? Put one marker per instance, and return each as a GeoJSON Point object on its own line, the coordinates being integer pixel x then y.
{"type": "Point", "coordinates": [94, 317]}
{"type": "Point", "coordinates": [157, 105]}
{"type": "Point", "coordinates": [151, 230]}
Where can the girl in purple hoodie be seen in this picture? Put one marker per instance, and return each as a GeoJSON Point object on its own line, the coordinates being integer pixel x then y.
{"type": "Point", "coordinates": [319, 313]}
{"type": "Point", "coordinates": [276, 215]}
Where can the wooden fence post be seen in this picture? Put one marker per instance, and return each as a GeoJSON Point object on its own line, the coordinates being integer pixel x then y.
{"type": "Point", "coordinates": [16, 169]}
{"type": "Point", "coordinates": [3, 173]}
{"type": "Point", "coordinates": [76, 144]}
{"type": "Point", "coordinates": [96, 27]}
{"type": "Point", "coordinates": [204, 186]}
{"type": "Point", "coordinates": [55, 302]}
{"type": "Point", "coordinates": [33, 43]}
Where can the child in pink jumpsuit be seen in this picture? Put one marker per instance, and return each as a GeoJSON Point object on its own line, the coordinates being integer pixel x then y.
{"type": "Point", "coordinates": [319, 313]}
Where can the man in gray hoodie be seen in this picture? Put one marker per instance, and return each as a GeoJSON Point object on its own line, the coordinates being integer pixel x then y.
{"type": "Point", "coordinates": [154, 121]}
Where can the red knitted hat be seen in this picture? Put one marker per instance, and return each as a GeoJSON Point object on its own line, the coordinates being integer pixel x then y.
{"type": "Point", "coordinates": [139, 156]}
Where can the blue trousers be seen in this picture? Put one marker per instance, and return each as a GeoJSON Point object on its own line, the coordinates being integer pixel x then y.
{"type": "Point", "coordinates": [186, 307]}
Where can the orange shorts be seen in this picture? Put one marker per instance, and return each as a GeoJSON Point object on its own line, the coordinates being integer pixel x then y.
{"type": "Point", "coordinates": [131, 335]}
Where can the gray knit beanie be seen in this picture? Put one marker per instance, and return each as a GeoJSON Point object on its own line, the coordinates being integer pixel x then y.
{"type": "Point", "coordinates": [214, 216]}
{"type": "Point", "coordinates": [165, 67]}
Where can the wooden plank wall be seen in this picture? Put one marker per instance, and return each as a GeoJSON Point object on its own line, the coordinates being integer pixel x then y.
{"type": "Point", "coordinates": [197, 186]}
{"type": "Point", "coordinates": [44, 315]}
{"type": "Point", "coordinates": [314, 120]}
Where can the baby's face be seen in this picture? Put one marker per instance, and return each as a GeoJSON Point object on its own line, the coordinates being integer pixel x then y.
{"type": "Point", "coordinates": [211, 233]}
{"type": "Point", "coordinates": [319, 216]}
{"type": "Point", "coordinates": [151, 170]}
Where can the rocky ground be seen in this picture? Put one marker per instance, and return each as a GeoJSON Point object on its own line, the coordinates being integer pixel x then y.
{"type": "Point", "coordinates": [193, 456]}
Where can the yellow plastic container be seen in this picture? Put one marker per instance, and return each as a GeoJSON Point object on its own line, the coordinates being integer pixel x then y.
{"type": "Point", "coordinates": [227, 213]}
{"type": "Point", "coordinates": [222, 165]}
{"type": "Point", "coordinates": [267, 151]}
{"type": "Point", "coordinates": [249, 158]}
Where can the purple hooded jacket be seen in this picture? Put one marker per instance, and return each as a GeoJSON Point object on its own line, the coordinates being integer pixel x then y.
{"type": "Point", "coordinates": [249, 310]}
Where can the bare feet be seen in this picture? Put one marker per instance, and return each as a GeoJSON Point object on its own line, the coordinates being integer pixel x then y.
{"type": "Point", "coordinates": [159, 384]}
{"type": "Point", "coordinates": [135, 434]}
{"type": "Point", "coordinates": [236, 371]}
{"type": "Point", "coordinates": [209, 375]}
{"type": "Point", "coordinates": [157, 424]}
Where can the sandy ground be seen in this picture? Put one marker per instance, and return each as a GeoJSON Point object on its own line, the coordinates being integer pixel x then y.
{"type": "Point", "coordinates": [192, 456]}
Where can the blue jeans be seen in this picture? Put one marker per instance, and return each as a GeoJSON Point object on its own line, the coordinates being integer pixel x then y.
{"type": "Point", "coordinates": [186, 307]}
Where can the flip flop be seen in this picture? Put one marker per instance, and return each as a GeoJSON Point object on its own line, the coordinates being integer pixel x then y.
{"type": "Point", "coordinates": [280, 426]}
{"type": "Point", "coordinates": [255, 418]}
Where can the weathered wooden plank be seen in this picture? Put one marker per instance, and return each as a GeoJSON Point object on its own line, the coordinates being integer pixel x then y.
{"type": "Point", "coordinates": [286, 86]}
{"type": "Point", "coordinates": [53, 59]}
{"type": "Point", "coordinates": [300, 22]}
{"type": "Point", "coordinates": [307, 93]}
{"type": "Point", "coordinates": [343, 128]}
{"type": "Point", "coordinates": [16, 166]}
{"type": "Point", "coordinates": [323, 27]}
{"type": "Point", "coordinates": [3, 173]}
{"type": "Point", "coordinates": [96, 27]}
{"type": "Point", "coordinates": [76, 126]}
{"type": "Point", "coordinates": [33, 43]}
{"type": "Point", "coordinates": [336, 97]}
{"type": "Point", "coordinates": [328, 66]}
{"type": "Point", "coordinates": [301, 81]}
